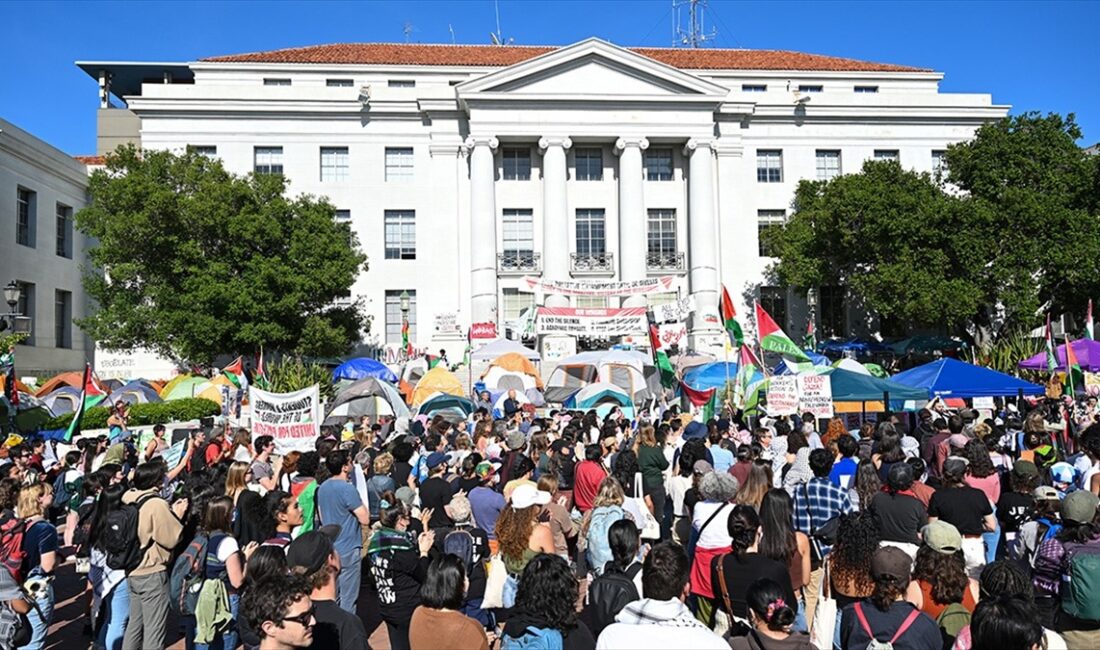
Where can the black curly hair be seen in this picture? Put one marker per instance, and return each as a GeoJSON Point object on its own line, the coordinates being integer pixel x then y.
{"type": "Point", "coordinates": [946, 573]}
{"type": "Point", "coordinates": [548, 589]}
{"type": "Point", "coordinates": [271, 599]}
{"type": "Point", "coordinates": [626, 466]}
{"type": "Point", "coordinates": [856, 541]}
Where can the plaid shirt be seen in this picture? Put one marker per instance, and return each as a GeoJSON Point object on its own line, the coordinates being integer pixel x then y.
{"type": "Point", "coordinates": [817, 502]}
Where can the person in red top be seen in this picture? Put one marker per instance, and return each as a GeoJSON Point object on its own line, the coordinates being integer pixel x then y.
{"type": "Point", "coordinates": [218, 449]}
{"type": "Point", "coordinates": [587, 477]}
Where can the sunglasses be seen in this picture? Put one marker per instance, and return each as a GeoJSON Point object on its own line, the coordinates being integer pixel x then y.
{"type": "Point", "coordinates": [304, 619]}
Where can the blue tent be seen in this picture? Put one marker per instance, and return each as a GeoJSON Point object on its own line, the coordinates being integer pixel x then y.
{"type": "Point", "coordinates": [361, 368]}
{"type": "Point", "coordinates": [815, 358]}
{"type": "Point", "coordinates": [952, 378]}
{"type": "Point", "coordinates": [713, 375]}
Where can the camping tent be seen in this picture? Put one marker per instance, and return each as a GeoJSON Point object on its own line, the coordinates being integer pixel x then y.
{"type": "Point", "coordinates": [137, 391]}
{"type": "Point", "coordinates": [63, 400]}
{"type": "Point", "coordinates": [361, 368]}
{"type": "Point", "coordinates": [713, 375]}
{"type": "Point", "coordinates": [74, 379]}
{"type": "Point", "coordinates": [446, 402]}
{"type": "Point", "coordinates": [511, 370]}
{"type": "Point", "coordinates": [368, 396]}
{"type": "Point", "coordinates": [597, 393]}
{"type": "Point", "coordinates": [190, 386]}
{"type": "Point", "coordinates": [952, 378]}
{"type": "Point", "coordinates": [1087, 352]}
{"type": "Point", "coordinates": [850, 386]}
{"type": "Point", "coordinates": [631, 371]}
{"type": "Point", "coordinates": [437, 380]}
{"type": "Point", "coordinates": [503, 346]}
{"type": "Point", "coordinates": [851, 365]}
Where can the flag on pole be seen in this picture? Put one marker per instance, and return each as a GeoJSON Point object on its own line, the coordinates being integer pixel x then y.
{"type": "Point", "coordinates": [405, 337]}
{"type": "Point", "coordinates": [1088, 323]}
{"type": "Point", "coordinates": [810, 340]}
{"type": "Point", "coordinates": [1052, 358]}
{"type": "Point", "coordinates": [660, 358]}
{"type": "Point", "coordinates": [729, 319]}
{"type": "Point", "coordinates": [697, 397]}
{"type": "Point", "coordinates": [7, 369]}
{"type": "Point", "coordinates": [234, 372]}
{"type": "Point", "coordinates": [775, 339]}
{"type": "Point", "coordinates": [260, 376]}
{"type": "Point", "coordinates": [1074, 376]}
{"type": "Point", "coordinates": [81, 406]}
{"type": "Point", "coordinates": [94, 393]}
{"type": "Point", "coordinates": [747, 365]}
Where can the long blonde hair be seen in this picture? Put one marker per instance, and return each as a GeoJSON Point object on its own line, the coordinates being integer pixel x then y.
{"type": "Point", "coordinates": [29, 503]}
{"type": "Point", "coordinates": [236, 480]}
{"type": "Point", "coordinates": [610, 493]}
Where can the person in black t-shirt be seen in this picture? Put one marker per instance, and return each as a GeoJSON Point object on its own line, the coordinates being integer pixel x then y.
{"type": "Point", "coordinates": [966, 508]}
{"type": "Point", "coordinates": [313, 556]}
{"type": "Point", "coordinates": [436, 492]}
{"type": "Point", "coordinates": [460, 513]}
{"type": "Point", "coordinates": [745, 565]}
{"type": "Point", "coordinates": [1015, 507]}
{"type": "Point", "coordinates": [901, 515]}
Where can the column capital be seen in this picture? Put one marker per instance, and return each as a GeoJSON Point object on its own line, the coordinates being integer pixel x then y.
{"type": "Point", "coordinates": [481, 141]}
{"type": "Point", "coordinates": [633, 141]}
{"type": "Point", "coordinates": [547, 141]}
{"type": "Point", "coordinates": [699, 143]}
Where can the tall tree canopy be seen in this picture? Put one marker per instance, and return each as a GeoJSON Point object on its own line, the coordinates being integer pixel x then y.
{"type": "Point", "coordinates": [1011, 230]}
{"type": "Point", "coordinates": [194, 262]}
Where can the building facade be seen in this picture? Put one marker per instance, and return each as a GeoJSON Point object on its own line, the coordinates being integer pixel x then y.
{"type": "Point", "coordinates": [466, 169]}
{"type": "Point", "coordinates": [40, 249]}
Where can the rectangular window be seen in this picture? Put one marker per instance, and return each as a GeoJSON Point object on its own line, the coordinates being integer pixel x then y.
{"type": "Point", "coordinates": [769, 165]}
{"type": "Point", "coordinates": [334, 164]}
{"type": "Point", "coordinates": [339, 83]}
{"type": "Point", "coordinates": [399, 164]}
{"type": "Point", "coordinates": [517, 163]}
{"type": "Point", "coordinates": [63, 319]}
{"type": "Point", "coordinates": [343, 216]}
{"type": "Point", "coordinates": [64, 231]}
{"type": "Point", "coordinates": [939, 160]}
{"type": "Point", "coordinates": [828, 165]}
{"type": "Point", "coordinates": [832, 316]}
{"type": "Point", "coordinates": [658, 164]}
{"type": "Point", "coordinates": [588, 162]}
{"type": "Point", "coordinates": [774, 301]}
{"type": "Point", "coordinates": [591, 241]}
{"type": "Point", "coordinates": [753, 88]}
{"type": "Point", "coordinates": [400, 234]}
{"type": "Point", "coordinates": [208, 150]}
{"type": "Point", "coordinates": [515, 301]}
{"type": "Point", "coordinates": [887, 154]}
{"type": "Point", "coordinates": [401, 83]}
{"type": "Point", "coordinates": [661, 236]}
{"type": "Point", "coordinates": [765, 221]}
{"type": "Point", "coordinates": [519, 232]}
{"type": "Point", "coordinates": [810, 88]}
{"type": "Point", "coordinates": [268, 160]}
{"type": "Point", "coordinates": [590, 302]}
{"type": "Point", "coordinates": [866, 89]}
{"type": "Point", "coordinates": [282, 81]}
{"type": "Point", "coordinates": [26, 206]}
{"type": "Point", "coordinates": [394, 316]}
{"type": "Point", "coordinates": [26, 307]}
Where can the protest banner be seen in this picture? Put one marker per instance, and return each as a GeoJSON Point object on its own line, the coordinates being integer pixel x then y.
{"type": "Point", "coordinates": [598, 288]}
{"type": "Point", "coordinates": [672, 334]}
{"type": "Point", "coordinates": [782, 395]}
{"type": "Point", "coordinates": [486, 330]}
{"type": "Point", "coordinates": [986, 403]}
{"type": "Point", "coordinates": [292, 419]}
{"type": "Point", "coordinates": [590, 322]}
{"type": "Point", "coordinates": [678, 310]}
{"type": "Point", "coordinates": [816, 395]}
{"type": "Point", "coordinates": [1092, 383]}
{"type": "Point", "coordinates": [173, 454]}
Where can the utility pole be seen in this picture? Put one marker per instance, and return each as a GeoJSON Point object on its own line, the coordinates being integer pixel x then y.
{"type": "Point", "coordinates": [694, 34]}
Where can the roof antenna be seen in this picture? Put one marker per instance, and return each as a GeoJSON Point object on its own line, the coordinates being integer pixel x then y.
{"type": "Point", "coordinates": [408, 30]}
{"type": "Point", "coordinates": [694, 34]}
{"type": "Point", "coordinates": [496, 37]}
{"type": "Point", "coordinates": [451, 29]}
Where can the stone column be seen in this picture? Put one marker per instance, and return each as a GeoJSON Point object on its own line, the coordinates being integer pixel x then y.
{"type": "Point", "coordinates": [632, 217]}
{"type": "Point", "coordinates": [555, 214]}
{"type": "Point", "coordinates": [483, 230]}
{"type": "Point", "coordinates": [702, 240]}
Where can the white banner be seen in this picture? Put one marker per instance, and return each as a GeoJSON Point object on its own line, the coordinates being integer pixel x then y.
{"type": "Point", "coordinates": [674, 311]}
{"type": "Point", "coordinates": [783, 395]}
{"type": "Point", "coordinates": [293, 419]}
{"type": "Point", "coordinates": [673, 334]}
{"type": "Point", "coordinates": [590, 322]}
{"type": "Point", "coordinates": [596, 288]}
{"type": "Point", "coordinates": [816, 395]}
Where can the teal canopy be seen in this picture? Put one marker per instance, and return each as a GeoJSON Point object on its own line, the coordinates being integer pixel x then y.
{"type": "Point", "coordinates": [854, 387]}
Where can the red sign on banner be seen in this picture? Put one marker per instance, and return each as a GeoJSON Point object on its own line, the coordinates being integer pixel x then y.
{"type": "Point", "coordinates": [487, 330]}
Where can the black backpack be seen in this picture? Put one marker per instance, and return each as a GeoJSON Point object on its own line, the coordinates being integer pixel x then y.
{"type": "Point", "coordinates": [608, 594]}
{"type": "Point", "coordinates": [120, 536]}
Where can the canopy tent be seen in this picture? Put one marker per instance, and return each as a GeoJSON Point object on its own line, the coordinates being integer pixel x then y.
{"type": "Point", "coordinates": [598, 393]}
{"type": "Point", "coordinates": [511, 370]}
{"type": "Point", "coordinates": [368, 396]}
{"type": "Point", "coordinates": [445, 402]}
{"type": "Point", "coordinates": [500, 347]}
{"type": "Point", "coordinates": [714, 375]}
{"type": "Point", "coordinates": [851, 365]}
{"type": "Point", "coordinates": [690, 360]}
{"type": "Point", "coordinates": [794, 368]}
{"type": "Point", "coordinates": [927, 345]}
{"type": "Point", "coordinates": [1087, 352]}
{"type": "Point", "coordinates": [63, 400]}
{"type": "Point", "coordinates": [851, 386]}
{"type": "Point", "coordinates": [361, 368]}
{"type": "Point", "coordinates": [630, 370]}
{"type": "Point", "coordinates": [74, 379]}
{"type": "Point", "coordinates": [436, 380]}
{"type": "Point", "coordinates": [952, 378]}
{"type": "Point", "coordinates": [137, 391]}
{"type": "Point", "coordinates": [857, 347]}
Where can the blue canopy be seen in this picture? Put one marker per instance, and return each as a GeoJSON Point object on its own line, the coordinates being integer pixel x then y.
{"type": "Point", "coordinates": [952, 378]}
{"type": "Point", "coordinates": [815, 358]}
{"type": "Point", "coordinates": [858, 347]}
{"type": "Point", "coordinates": [361, 368]}
{"type": "Point", "coordinates": [713, 375]}
{"type": "Point", "coordinates": [851, 386]}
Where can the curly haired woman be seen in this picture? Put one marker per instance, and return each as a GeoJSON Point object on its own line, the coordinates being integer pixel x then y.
{"type": "Point", "coordinates": [546, 606]}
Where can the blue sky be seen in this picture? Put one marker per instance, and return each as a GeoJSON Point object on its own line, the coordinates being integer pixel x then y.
{"type": "Point", "coordinates": [1033, 55]}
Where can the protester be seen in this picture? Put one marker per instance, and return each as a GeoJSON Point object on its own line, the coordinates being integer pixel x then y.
{"type": "Point", "coordinates": [940, 585]}
{"type": "Point", "coordinates": [438, 623]}
{"type": "Point", "coordinates": [399, 566]}
{"type": "Point", "coordinates": [618, 584]}
{"type": "Point", "coordinates": [712, 537]}
{"type": "Point", "coordinates": [224, 563]}
{"type": "Point", "coordinates": [39, 546]}
{"type": "Point", "coordinates": [110, 589]}
{"type": "Point", "coordinates": [886, 616]}
{"type": "Point", "coordinates": [339, 504]}
{"type": "Point", "coordinates": [901, 515]}
{"type": "Point", "coordinates": [966, 508]}
{"type": "Point", "coordinates": [816, 503]}
{"type": "Point", "coordinates": [607, 508]}
{"type": "Point", "coordinates": [546, 607]}
{"type": "Point", "coordinates": [280, 611]}
{"type": "Point", "coordinates": [732, 573]}
{"type": "Point", "coordinates": [314, 557]}
{"type": "Point", "coordinates": [772, 620]}
{"type": "Point", "coordinates": [779, 541]}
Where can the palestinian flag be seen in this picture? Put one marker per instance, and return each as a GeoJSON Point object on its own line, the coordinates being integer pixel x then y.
{"type": "Point", "coordinates": [433, 361]}
{"type": "Point", "coordinates": [747, 365]}
{"type": "Point", "coordinates": [234, 372]}
{"type": "Point", "coordinates": [697, 397]}
{"type": "Point", "coordinates": [260, 376]}
{"type": "Point", "coordinates": [7, 369]}
{"type": "Point", "coordinates": [775, 339]}
{"type": "Point", "coordinates": [1052, 358]}
{"type": "Point", "coordinates": [93, 392]}
{"type": "Point", "coordinates": [810, 340]}
{"type": "Point", "coordinates": [1089, 329]}
{"type": "Point", "coordinates": [405, 337]}
{"type": "Point", "coordinates": [1074, 376]}
{"type": "Point", "coordinates": [660, 358]}
{"type": "Point", "coordinates": [729, 319]}
{"type": "Point", "coordinates": [82, 405]}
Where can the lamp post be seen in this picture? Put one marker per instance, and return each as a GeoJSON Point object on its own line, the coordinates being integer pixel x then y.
{"type": "Point", "coordinates": [19, 323]}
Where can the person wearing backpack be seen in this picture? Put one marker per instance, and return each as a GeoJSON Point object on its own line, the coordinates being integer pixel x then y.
{"type": "Point", "coordinates": [438, 623]}
{"type": "Point", "coordinates": [1066, 568]}
{"type": "Point", "coordinates": [607, 508]}
{"type": "Point", "coordinates": [885, 620]}
{"type": "Point", "coordinates": [224, 561]}
{"type": "Point", "coordinates": [940, 585]}
{"type": "Point", "coordinates": [471, 544]}
{"type": "Point", "coordinates": [39, 545]}
{"type": "Point", "coordinates": [110, 590]}
{"type": "Point", "coordinates": [151, 530]}
{"type": "Point", "coordinates": [618, 585]}
{"type": "Point", "coordinates": [545, 611]}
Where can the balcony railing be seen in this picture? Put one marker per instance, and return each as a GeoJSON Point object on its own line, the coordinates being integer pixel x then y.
{"type": "Point", "coordinates": [519, 262]}
{"type": "Point", "coordinates": [664, 261]}
{"type": "Point", "coordinates": [592, 263]}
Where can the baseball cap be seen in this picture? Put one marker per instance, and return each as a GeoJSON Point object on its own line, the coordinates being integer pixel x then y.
{"type": "Point", "coordinates": [1045, 493]}
{"type": "Point", "coordinates": [1079, 506]}
{"type": "Point", "coordinates": [526, 495]}
{"type": "Point", "coordinates": [702, 467]}
{"type": "Point", "coordinates": [515, 440]}
{"type": "Point", "coordinates": [311, 550]}
{"type": "Point", "coordinates": [1025, 468]}
{"type": "Point", "coordinates": [941, 537]}
{"type": "Point", "coordinates": [405, 494]}
{"type": "Point", "coordinates": [1062, 472]}
{"type": "Point", "coordinates": [891, 561]}
{"type": "Point", "coordinates": [435, 459]}
{"type": "Point", "coordinates": [954, 465]}
{"type": "Point", "coordinates": [695, 430]}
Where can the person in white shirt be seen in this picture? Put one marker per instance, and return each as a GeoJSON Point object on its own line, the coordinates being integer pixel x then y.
{"type": "Point", "coordinates": [660, 619]}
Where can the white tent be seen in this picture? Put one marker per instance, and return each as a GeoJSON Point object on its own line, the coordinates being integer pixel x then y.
{"type": "Point", "coordinates": [491, 351]}
{"type": "Point", "coordinates": [631, 371]}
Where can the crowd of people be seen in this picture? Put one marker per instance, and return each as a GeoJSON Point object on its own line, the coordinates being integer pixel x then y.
{"type": "Point", "coordinates": [939, 529]}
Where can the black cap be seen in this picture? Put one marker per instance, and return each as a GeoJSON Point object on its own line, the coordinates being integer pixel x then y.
{"type": "Point", "coordinates": [312, 550]}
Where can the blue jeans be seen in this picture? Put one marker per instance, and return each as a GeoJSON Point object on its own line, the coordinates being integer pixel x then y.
{"type": "Point", "coordinates": [228, 639]}
{"type": "Point", "coordinates": [351, 574]}
{"type": "Point", "coordinates": [992, 539]}
{"type": "Point", "coordinates": [113, 616]}
{"type": "Point", "coordinates": [40, 617]}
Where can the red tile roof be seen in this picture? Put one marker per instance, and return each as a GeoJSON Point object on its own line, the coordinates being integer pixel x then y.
{"type": "Point", "coordinates": [91, 160]}
{"type": "Point", "coordinates": [495, 56]}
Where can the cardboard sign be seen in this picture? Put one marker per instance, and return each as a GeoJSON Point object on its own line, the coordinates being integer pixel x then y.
{"type": "Point", "coordinates": [980, 403]}
{"type": "Point", "coordinates": [292, 419]}
{"type": "Point", "coordinates": [816, 395]}
{"type": "Point", "coordinates": [674, 311]}
{"type": "Point", "coordinates": [486, 330]}
{"type": "Point", "coordinates": [783, 395]}
{"type": "Point", "coordinates": [673, 334]}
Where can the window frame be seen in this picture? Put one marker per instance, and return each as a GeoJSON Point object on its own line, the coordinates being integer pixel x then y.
{"type": "Point", "coordinates": [277, 81]}
{"type": "Point", "coordinates": [401, 83]}
{"type": "Point", "coordinates": [886, 154]}
{"type": "Point", "coordinates": [865, 90]}
{"type": "Point", "coordinates": [811, 88]}
{"type": "Point", "coordinates": [774, 300]}
{"type": "Point", "coordinates": [764, 172]}
{"type": "Point", "coordinates": [337, 164]}
{"type": "Point", "coordinates": [584, 221]}
{"type": "Point", "coordinates": [586, 172]}
{"type": "Point", "coordinates": [517, 220]}
{"type": "Point", "coordinates": [653, 165]}
{"type": "Point", "coordinates": [269, 167]}
{"type": "Point", "coordinates": [396, 224]}
{"type": "Point", "coordinates": [395, 167]}
{"type": "Point", "coordinates": [392, 304]}
{"type": "Point", "coordinates": [339, 83]}
{"type": "Point", "coordinates": [754, 88]}
{"type": "Point", "coordinates": [63, 319]}
{"type": "Point", "coordinates": [665, 235]}
{"type": "Point", "coordinates": [513, 302]}
{"type": "Point", "coordinates": [511, 164]}
{"type": "Point", "coordinates": [766, 219]}
{"type": "Point", "coordinates": [823, 171]}
{"type": "Point", "coordinates": [64, 222]}
{"type": "Point", "coordinates": [26, 210]}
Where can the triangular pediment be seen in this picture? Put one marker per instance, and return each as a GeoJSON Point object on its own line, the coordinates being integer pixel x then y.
{"type": "Point", "coordinates": [592, 68]}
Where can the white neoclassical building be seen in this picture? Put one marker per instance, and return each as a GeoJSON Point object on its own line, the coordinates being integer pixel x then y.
{"type": "Point", "coordinates": [468, 171]}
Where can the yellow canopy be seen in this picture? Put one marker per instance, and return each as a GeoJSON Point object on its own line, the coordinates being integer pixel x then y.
{"type": "Point", "coordinates": [437, 380]}
{"type": "Point", "coordinates": [173, 383]}
{"type": "Point", "coordinates": [515, 362]}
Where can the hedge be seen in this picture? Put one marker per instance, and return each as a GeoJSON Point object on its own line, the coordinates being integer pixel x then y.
{"type": "Point", "coordinates": [177, 410]}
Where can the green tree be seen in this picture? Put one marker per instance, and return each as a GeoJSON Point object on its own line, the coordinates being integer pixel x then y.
{"type": "Point", "coordinates": [193, 262]}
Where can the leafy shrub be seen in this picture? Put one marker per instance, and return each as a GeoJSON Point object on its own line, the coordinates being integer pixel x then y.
{"type": "Point", "coordinates": [178, 410]}
{"type": "Point", "coordinates": [292, 373]}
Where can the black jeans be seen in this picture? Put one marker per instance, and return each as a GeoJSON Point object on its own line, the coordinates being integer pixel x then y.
{"type": "Point", "coordinates": [399, 636]}
{"type": "Point", "coordinates": [657, 496]}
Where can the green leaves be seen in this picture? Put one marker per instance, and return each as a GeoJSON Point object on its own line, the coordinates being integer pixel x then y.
{"type": "Point", "coordinates": [200, 262]}
{"type": "Point", "coordinates": [179, 410]}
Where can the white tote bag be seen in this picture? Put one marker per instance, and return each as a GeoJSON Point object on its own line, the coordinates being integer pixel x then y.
{"type": "Point", "coordinates": [494, 584]}
{"type": "Point", "coordinates": [648, 525]}
{"type": "Point", "coordinates": [824, 623]}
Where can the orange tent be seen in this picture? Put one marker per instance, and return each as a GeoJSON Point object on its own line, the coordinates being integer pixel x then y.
{"type": "Point", "coordinates": [19, 386]}
{"type": "Point", "coordinates": [73, 378]}
{"type": "Point", "coordinates": [511, 363]}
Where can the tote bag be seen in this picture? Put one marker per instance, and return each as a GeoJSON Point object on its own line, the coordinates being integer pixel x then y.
{"type": "Point", "coordinates": [494, 584]}
{"type": "Point", "coordinates": [648, 526]}
{"type": "Point", "coordinates": [824, 623]}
